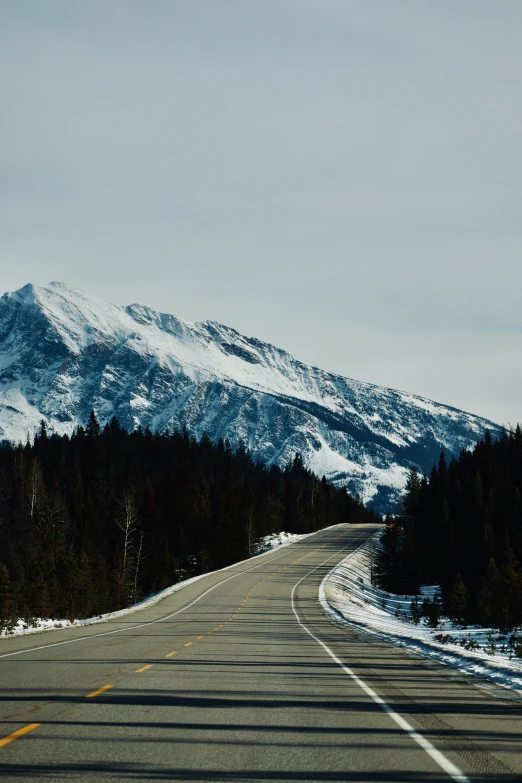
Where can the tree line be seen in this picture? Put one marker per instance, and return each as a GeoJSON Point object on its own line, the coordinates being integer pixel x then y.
{"type": "Point", "coordinates": [93, 522]}
{"type": "Point", "coordinates": [464, 533]}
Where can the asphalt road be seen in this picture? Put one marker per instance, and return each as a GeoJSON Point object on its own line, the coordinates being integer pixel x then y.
{"type": "Point", "coordinates": [242, 677]}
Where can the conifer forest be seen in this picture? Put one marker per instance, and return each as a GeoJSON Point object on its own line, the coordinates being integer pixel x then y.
{"type": "Point", "coordinates": [93, 522]}
{"type": "Point", "coordinates": [463, 531]}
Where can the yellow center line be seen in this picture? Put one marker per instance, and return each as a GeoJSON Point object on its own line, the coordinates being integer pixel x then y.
{"type": "Point", "coordinates": [261, 582]}
{"type": "Point", "coordinates": [97, 693]}
{"type": "Point", "coordinates": [19, 733]}
{"type": "Point", "coordinates": [32, 726]}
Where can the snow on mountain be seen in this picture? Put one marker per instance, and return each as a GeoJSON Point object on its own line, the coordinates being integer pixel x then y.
{"type": "Point", "coordinates": [63, 353]}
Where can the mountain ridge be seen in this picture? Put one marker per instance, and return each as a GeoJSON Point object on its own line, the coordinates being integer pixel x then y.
{"type": "Point", "coordinates": [63, 353]}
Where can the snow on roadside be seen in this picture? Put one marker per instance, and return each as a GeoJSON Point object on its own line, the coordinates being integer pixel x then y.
{"type": "Point", "coordinates": [41, 624]}
{"type": "Point", "coordinates": [275, 540]}
{"type": "Point", "coordinates": [347, 594]}
{"type": "Point", "coordinates": [38, 624]}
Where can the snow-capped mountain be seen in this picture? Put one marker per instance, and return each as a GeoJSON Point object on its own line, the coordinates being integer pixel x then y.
{"type": "Point", "coordinates": [63, 353]}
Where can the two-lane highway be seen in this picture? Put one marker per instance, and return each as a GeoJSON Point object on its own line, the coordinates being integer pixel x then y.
{"type": "Point", "coordinates": [241, 676]}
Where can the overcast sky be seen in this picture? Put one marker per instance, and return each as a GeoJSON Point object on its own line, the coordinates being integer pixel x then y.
{"type": "Point", "coordinates": [339, 177]}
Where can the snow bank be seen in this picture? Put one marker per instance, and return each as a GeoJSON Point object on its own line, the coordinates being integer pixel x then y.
{"type": "Point", "coordinates": [42, 624]}
{"type": "Point", "coordinates": [347, 594]}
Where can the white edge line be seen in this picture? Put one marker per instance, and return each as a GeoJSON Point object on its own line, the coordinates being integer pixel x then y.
{"type": "Point", "coordinates": [178, 611]}
{"type": "Point", "coordinates": [445, 764]}
{"type": "Point", "coordinates": [495, 673]}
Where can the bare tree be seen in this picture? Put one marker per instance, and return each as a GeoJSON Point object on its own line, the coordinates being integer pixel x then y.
{"type": "Point", "coordinates": [251, 534]}
{"type": "Point", "coordinates": [315, 484]}
{"type": "Point", "coordinates": [35, 488]}
{"type": "Point", "coordinates": [137, 562]}
{"type": "Point", "coordinates": [127, 520]}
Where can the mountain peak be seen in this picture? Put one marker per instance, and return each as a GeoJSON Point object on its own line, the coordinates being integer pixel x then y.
{"type": "Point", "coordinates": [75, 352]}
{"type": "Point", "coordinates": [25, 295]}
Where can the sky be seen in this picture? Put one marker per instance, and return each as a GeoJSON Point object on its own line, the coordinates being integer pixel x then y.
{"type": "Point", "coordinates": [342, 178]}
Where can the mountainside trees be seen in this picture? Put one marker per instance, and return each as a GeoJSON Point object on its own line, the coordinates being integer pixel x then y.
{"type": "Point", "coordinates": [93, 522]}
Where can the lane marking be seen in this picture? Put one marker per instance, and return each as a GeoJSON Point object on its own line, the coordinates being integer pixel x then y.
{"type": "Point", "coordinates": [144, 668]}
{"type": "Point", "coordinates": [217, 628]}
{"type": "Point", "coordinates": [444, 763]}
{"type": "Point", "coordinates": [188, 644]}
{"type": "Point", "coordinates": [30, 727]}
{"type": "Point", "coordinates": [200, 637]}
{"type": "Point", "coordinates": [97, 693]}
{"type": "Point", "coordinates": [18, 733]}
{"type": "Point", "coordinates": [208, 633]}
{"type": "Point", "coordinates": [178, 611]}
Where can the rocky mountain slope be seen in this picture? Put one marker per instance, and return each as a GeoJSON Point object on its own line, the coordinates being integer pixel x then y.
{"type": "Point", "coordinates": [63, 353]}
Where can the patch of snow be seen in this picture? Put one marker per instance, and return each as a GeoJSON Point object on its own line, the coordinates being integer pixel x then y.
{"type": "Point", "coordinates": [36, 624]}
{"type": "Point", "coordinates": [275, 540]}
{"type": "Point", "coordinates": [347, 594]}
{"type": "Point", "coordinates": [326, 461]}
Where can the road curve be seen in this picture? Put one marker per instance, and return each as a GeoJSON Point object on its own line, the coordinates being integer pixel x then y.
{"type": "Point", "coordinates": [241, 676]}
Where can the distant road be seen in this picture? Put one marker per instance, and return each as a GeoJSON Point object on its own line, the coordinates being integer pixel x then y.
{"type": "Point", "coordinates": [240, 676]}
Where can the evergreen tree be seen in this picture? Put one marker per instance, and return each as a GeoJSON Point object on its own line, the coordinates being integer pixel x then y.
{"type": "Point", "coordinates": [92, 429]}
{"type": "Point", "coordinates": [7, 602]}
{"type": "Point", "coordinates": [458, 599]}
{"type": "Point", "coordinates": [395, 567]}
